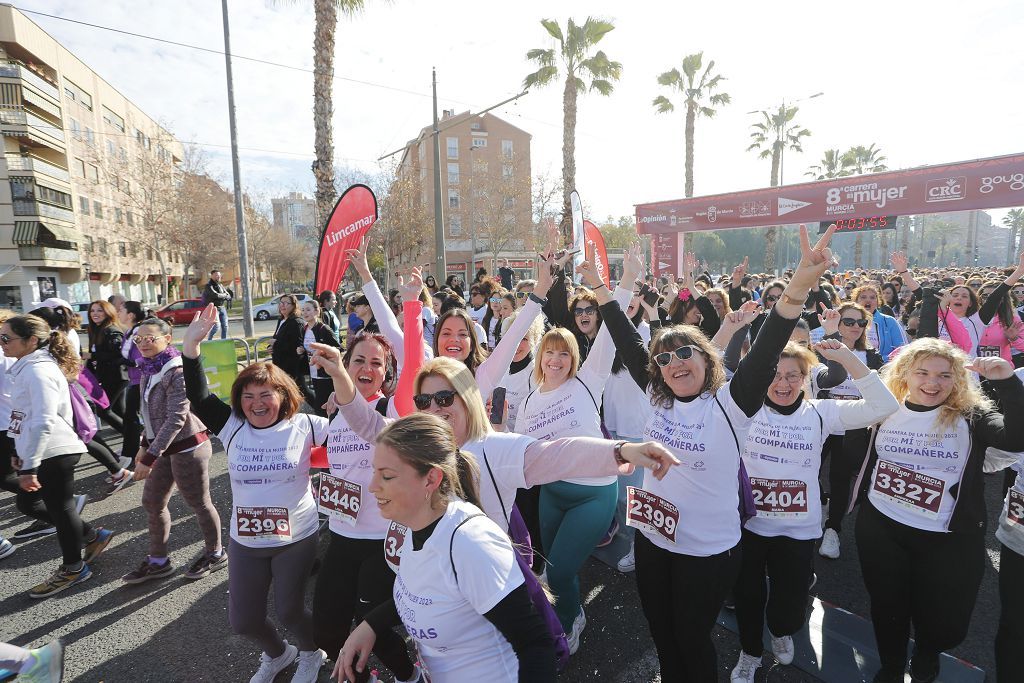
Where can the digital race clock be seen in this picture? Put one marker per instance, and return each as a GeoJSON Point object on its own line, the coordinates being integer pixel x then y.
{"type": "Point", "coordinates": [860, 224]}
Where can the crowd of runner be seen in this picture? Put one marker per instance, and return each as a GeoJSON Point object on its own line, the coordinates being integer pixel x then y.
{"type": "Point", "coordinates": [467, 451]}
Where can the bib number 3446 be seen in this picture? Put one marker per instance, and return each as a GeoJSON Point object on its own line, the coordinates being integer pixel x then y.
{"type": "Point", "coordinates": [649, 512]}
{"type": "Point", "coordinates": [339, 498]}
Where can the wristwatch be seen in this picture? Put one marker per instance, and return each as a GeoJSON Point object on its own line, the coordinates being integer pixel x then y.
{"type": "Point", "coordinates": [534, 297]}
{"type": "Point", "coordinates": [617, 452]}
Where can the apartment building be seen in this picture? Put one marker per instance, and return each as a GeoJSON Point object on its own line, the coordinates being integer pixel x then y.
{"type": "Point", "coordinates": [70, 225]}
{"type": "Point", "coordinates": [485, 188]}
{"type": "Point", "coordinates": [296, 215]}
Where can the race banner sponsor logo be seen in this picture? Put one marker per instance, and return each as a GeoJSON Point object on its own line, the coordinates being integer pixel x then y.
{"type": "Point", "coordinates": [352, 217]}
{"type": "Point", "coordinates": [596, 252]}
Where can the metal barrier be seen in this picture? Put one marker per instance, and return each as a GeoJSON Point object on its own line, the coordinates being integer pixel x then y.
{"type": "Point", "coordinates": [256, 347]}
{"type": "Point", "coordinates": [248, 353]}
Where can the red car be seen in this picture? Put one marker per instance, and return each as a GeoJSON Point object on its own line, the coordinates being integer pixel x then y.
{"type": "Point", "coordinates": [180, 312]}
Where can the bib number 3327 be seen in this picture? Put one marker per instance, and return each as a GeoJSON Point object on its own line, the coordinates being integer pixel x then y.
{"type": "Point", "coordinates": [263, 522]}
{"type": "Point", "coordinates": [649, 512]}
{"type": "Point", "coordinates": [909, 489]}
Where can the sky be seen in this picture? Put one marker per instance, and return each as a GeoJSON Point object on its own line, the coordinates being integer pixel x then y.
{"type": "Point", "coordinates": [928, 82]}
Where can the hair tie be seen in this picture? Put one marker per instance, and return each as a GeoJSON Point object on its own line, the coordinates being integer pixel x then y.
{"type": "Point", "coordinates": [684, 294]}
{"type": "Point", "coordinates": [54, 332]}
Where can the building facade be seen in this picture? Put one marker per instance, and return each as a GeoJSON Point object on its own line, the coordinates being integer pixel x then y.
{"type": "Point", "coordinates": [296, 215]}
{"type": "Point", "coordinates": [485, 190]}
{"type": "Point", "coordinates": [70, 225]}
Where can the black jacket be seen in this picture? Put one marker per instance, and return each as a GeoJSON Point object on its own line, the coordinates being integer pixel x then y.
{"type": "Point", "coordinates": [214, 293]}
{"type": "Point", "coordinates": [287, 338]}
{"type": "Point", "coordinates": [106, 361]}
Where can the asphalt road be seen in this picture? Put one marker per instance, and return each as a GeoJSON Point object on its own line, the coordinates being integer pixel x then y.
{"type": "Point", "coordinates": [176, 631]}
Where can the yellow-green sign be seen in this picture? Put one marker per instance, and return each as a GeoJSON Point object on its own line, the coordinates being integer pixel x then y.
{"type": "Point", "coordinates": [221, 365]}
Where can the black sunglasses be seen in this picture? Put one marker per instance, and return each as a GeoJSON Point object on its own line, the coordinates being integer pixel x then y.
{"type": "Point", "coordinates": [7, 339]}
{"type": "Point", "coordinates": [911, 332]}
{"type": "Point", "coordinates": [443, 399]}
{"type": "Point", "coordinates": [850, 322]}
{"type": "Point", "coordinates": [682, 353]}
{"type": "Point", "coordinates": [522, 295]}
{"type": "Point", "coordinates": [770, 299]}
{"type": "Point", "coordinates": [586, 310]}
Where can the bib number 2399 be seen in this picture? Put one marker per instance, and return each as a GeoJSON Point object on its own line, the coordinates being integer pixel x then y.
{"type": "Point", "coordinates": [263, 522]}
{"type": "Point", "coordinates": [649, 512]}
{"type": "Point", "coordinates": [909, 489]}
{"type": "Point", "coordinates": [339, 498]}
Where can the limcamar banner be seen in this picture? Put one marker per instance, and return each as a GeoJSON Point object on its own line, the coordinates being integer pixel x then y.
{"type": "Point", "coordinates": [596, 252]}
{"type": "Point", "coordinates": [353, 215]}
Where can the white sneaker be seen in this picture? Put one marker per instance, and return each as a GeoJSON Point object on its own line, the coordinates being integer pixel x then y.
{"type": "Point", "coordinates": [6, 548]}
{"type": "Point", "coordinates": [745, 669]}
{"type": "Point", "coordinates": [829, 545]}
{"type": "Point", "coordinates": [310, 662]}
{"type": "Point", "coordinates": [577, 630]}
{"type": "Point", "coordinates": [270, 667]}
{"type": "Point", "coordinates": [628, 562]}
{"type": "Point", "coordinates": [782, 648]}
{"type": "Point", "coordinates": [80, 502]}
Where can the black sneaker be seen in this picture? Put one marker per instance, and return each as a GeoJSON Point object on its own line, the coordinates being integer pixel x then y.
{"type": "Point", "coordinates": [36, 528]}
{"type": "Point", "coordinates": [147, 571]}
{"type": "Point", "coordinates": [924, 667]}
{"type": "Point", "coordinates": [206, 564]}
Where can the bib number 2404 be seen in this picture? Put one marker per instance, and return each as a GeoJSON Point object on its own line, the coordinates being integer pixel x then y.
{"type": "Point", "coordinates": [649, 512]}
{"type": "Point", "coordinates": [777, 498]}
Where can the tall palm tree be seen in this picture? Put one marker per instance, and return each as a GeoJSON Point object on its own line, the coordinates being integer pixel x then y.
{"type": "Point", "coordinates": [832, 165]}
{"type": "Point", "coordinates": [1014, 220]}
{"type": "Point", "coordinates": [699, 100]}
{"type": "Point", "coordinates": [775, 133]}
{"type": "Point", "coordinates": [860, 160]}
{"type": "Point", "coordinates": [578, 66]}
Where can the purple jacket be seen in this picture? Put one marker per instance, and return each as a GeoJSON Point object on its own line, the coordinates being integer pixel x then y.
{"type": "Point", "coordinates": [131, 353]}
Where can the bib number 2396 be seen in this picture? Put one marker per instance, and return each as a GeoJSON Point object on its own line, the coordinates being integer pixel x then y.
{"type": "Point", "coordinates": [779, 497]}
{"type": "Point", "coordinates": [909, 489]}
{"type": "Point", "coordinates": [649, 512]}
{"type": "Point", "coordinates": [339, 498]}
{"type": "Point", "coordinates": [263, 522]}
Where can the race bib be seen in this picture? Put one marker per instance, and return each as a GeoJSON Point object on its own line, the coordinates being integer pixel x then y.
{"type": "Point", "coordinates": [648, 512]}
{"type": "Point", "coordinates": [339, 498]}
{"type": "Point", "coordinates": [779, 498]}
{"type": "Point", "coordinates": [988, 352]}
{"type": "Point", "coordinates": [393, 544]}
{"type": "Point", "coordinates": [17, 417]}
{"type": "Point", "coordinates": [909, 489]}
{"type": "Point", "coordinates": [263, 522]}
{"type": "Point", "coordinates": [1015, 507]}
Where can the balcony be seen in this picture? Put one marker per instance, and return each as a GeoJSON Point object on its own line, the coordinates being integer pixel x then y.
{"type": "Point", "coordinates": [38, 127]}
{"type": "Point", "coordinates": [17, 162]}
{"type": "Point", "coordinates": [37, 253]}
{"type": "Point", "coordinates": [15, 70]}
{"type": "Point", "coordinates": [30, 207]}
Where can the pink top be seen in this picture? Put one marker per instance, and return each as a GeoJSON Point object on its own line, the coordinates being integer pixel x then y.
{"type": "Point", "coordinates": [958, 333]}
{"type": "Point", "coordinates": [995, 335]}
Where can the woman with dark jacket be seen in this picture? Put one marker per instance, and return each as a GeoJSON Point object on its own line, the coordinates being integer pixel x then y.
{"type": "Point", "coordinates": [287, 337]}
{"type": "Point", "coordinates": [130, 314]}
{"type": "Point", "coordinates": [315, 332]}
{"type": "Point", "coordinates": [105, 361]}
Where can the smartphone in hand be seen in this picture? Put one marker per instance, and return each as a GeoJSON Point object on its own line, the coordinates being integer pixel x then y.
{"type": "Point", "coordinates": [497, 415]}
{"type": "Point", "coordinates": [649, 295]}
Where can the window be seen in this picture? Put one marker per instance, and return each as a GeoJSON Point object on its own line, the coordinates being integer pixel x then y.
{"type": "Point", "coordinates": [97, 209]}
{"type": "Point", "coordinates": [94, 173]}
{"type": "Point", "coordinates": [134, 249]}
{"type": "Point", "coordinates": [119, 217]}
{"type": "Point", "coordinates": [90, 137]}
{"type": "Point", "coordinates": [111, 148]}
{"type": "Point", "coordinates": [113, 119]}
{"type": "Point", "coordinates": [455, 224]}
{"type": "Point", "coordinates": [126, 185]}
{"type": "Point", "coordinates": [83, 206]}
{"type": "Point", "coordinates": [453, 174]}
{"type": "Point", "coordinates": [509, 203]}
{"type": "Point", "coordinates": [149, 253]}
{"type": "Point", "coordinates": [479, 142]}
{"type": "Point", "coordinates": [76, 129]}
{"type": "Point", "coordinates": [79, 168]}
{"type": "Point", "coordinates": [122, 249]}
{"type": "Point", "coordinates": [89, 245]}
{"type": "Point", "coordinates": [130, 219]}
{"type": "Point", "coordinates": [51, 196]}
{"type": "Point", "coordinates": [506, 149]}
{"type": "Point", "coordinates": [453, 148]}
{"type": "Point", "coordinates": [103, 245]}
{"type": "Point", "coordinates": [506, 171]}
{"type": "Point", "coordinates": [76, 94]}
{"type": "Point", "coordinates": [453, 198]}
{"type": "Point", "coordinates": [122, 154]}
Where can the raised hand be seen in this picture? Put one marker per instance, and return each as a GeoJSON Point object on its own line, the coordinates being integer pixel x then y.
{"type": "Point", "coordinates": [750, 306]}
{"type": "Point", "coordinates": [829, 319]}
{"type": "Point", "coordinates": [327, 358]}
{"type": "Point", "coordinates": [813, 260]}
{"type": "Point", "coordinates": [197, 331]}
{"type": "Point", "coordinates": [411, 287]}
{"type": "Point", "coordinates": [690, 262]}
{"type": "Point", "coordinates": [992, 368]}
{"type": "Point", "coordinates": [899, 261]}
{"type": "Point", "coordinates": [544, 275]}
{"type": "Point", "coordinates": [649, 454]}
{"type": "Point", "coordinates": [357, 258]}
{"type": "Point", "coordinates": [591, 278]}
{"type": "Point", "coordinates": [632, 265]}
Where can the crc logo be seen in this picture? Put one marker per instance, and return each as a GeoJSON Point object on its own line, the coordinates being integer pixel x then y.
{"type": "Point", "coordinates": [947, 189]}
{"type": "Point", "coordinates": [1015, 180]}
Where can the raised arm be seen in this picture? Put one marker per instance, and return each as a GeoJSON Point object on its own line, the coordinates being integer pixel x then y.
{"type": "Point", "coordinates": [1002, 429]}
{"type": "Point", "coordinates": [382, 312]}
{"type": "Point", "coordinates": [833, 374]}
{"type": "Point", "coordinates": [211, 410]}
{"type": "Point", "coordinates": [877, 401]}
{"type": "Point", "coordinates": [360, 415]}
{"type": "Point", "coordinates": [412, 310]}
{"type": "Point", "coordinates": [991, 305]}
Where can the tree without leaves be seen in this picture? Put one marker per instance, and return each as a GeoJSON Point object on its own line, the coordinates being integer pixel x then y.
{"type": "Point", "coordinates": [772, 135]}
{"type": "Point", "coordinates": [578, 66]}
{"type": "Point", "coordinates": [495, 201]}
{"type": "Point", "coordinates": [1014, 221]}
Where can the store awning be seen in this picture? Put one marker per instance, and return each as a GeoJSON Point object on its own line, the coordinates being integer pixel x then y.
{"type": "Point", "coordinates": [62, 233]}
{"type": "Point", "coordinates": [26, 233]}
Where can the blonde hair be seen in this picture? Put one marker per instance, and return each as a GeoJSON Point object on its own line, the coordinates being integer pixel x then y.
{"type": "Point", "coordinates": [559, 339]}
{"type": "Point", "coordinates": [533, 333]}
{"type": "Point", "coordinates": [804, 357]}
{"type": "Point", "coordinates": [965, 400]}
{"type": "Point", "coordinates": [726, 309]}
{"type": "Point", "coordinates": [462, 381]}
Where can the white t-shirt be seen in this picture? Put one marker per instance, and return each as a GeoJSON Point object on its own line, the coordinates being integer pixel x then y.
{"type": "Point", "coordinates": [974, 326]}
{"type": "Point", "coordinates": [504, 455]}
{"type": "Point", "coordinates": [517, 387]}
{"type": "Point", "coordinates": [308, 339]}
{"type": "Point", "coordinates": [621, 397]}
{"type": "Point", "coordinates": [75, 341]}
{"type": "Point", "coordinates": [847, 389]}
{"type": "Point", "coordinates": [269, 470]}
{"type": "Point", "coordinates": [477, 314]}
{"type": "Point", "coordinates": [5, 392]}
{"type": "Point", "coordinates": [917, 465]}
{"type": "Point", "coordinates": [444, 614]}
{"type": "Point", "coordinates": [782, 456]}
{"type": "Point", "coordinates": [1011, 520]}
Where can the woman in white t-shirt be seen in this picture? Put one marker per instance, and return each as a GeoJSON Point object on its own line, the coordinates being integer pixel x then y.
{"type": "Point", "coordinates": [782, 455]}
{"type": "Point", "coordinates": [273, 514]}
{"type": "Point", "coordinates": [921, 527]}
{"type": "Point", "coordinates": [460, 593]}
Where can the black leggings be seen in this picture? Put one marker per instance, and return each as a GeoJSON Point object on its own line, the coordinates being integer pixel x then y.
{"type": "Point", "coordinates": [681, 596]}
{"type": "Point", "coordinates": [922, 578]}
{"type": "Point", "coordinates": [528, 503]}
{"type": "Point", "coordinates": [103, 454]}
{"type": "Point", "coordinates": [54, 504]}
{"type": "Point", "coordinates": [846, 453]}
{"type": "Point", "coordinates": [787, 564]}
{"type": "Point", "coordinates": [8, 477]}
{"type": "Point", "coordinates": [322, 388]}
{"type": "Point", "coordinates": [132, 422]}
{"type": "Point", "coordinates": [1010, 636]}
{"type": "Point", "coordinates": [353, 579]}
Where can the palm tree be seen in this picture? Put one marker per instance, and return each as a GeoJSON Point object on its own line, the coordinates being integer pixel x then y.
{"type": "Point", "coordinates": [1014, 220]}
{"type": "Point", "coordinates": [862, 160]}
{"type": "Point", "coordinates": [772, 136]}
{"type": "Point", "coordinates": [833, 165]}
{"type": "Point", "coordinates": [578, 67]}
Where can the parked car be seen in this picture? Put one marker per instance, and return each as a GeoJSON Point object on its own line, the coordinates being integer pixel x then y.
{"type": "Point", "coordinates": [180, 312]}
{"type": "Point", "coordinates": [268, 311]}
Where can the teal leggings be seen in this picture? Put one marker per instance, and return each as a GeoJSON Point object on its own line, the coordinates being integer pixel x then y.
{"type": "Point", "coordinates": [573, 519]}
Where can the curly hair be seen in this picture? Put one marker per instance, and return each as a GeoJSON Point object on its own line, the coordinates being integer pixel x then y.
{"type": "Point", "coordinates": [671, 338]}
{"type": "Point", "coordinates": [965, 400]}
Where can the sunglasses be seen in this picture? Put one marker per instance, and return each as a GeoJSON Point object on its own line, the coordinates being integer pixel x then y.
{"type": "Point", "coordinates": [7, 339]}
{"type": "Point", "coordinates": [494, 299]}
{"type": "Point", "coordinates": [911, 331]}
{"type": "Point", "coordinates": [444, 399]}
{"type": "Point", "coordinates": [586, 310]}
{"type": "Point", "coordinates": [682, 353]}
{"type": "Point", "coordinates": [850, 322]}
{"type": "Point", "coordinates": [522, 295]}
{"type": "Point", "coordinates": [149, 338]}
{"type": "Point", "coordinates": [770, 299]}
